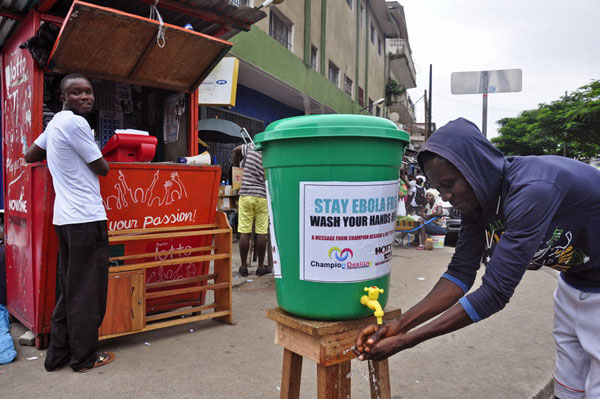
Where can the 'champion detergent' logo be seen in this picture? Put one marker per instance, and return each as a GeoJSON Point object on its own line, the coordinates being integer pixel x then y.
{"type": "Point", "coordinates": [341, 260]}
{"type": "Point", "coordinates": [340, 254]}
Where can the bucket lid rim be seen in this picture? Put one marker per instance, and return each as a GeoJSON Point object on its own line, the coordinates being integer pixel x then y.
{"type": "Point", "coordinates": [332, 125]}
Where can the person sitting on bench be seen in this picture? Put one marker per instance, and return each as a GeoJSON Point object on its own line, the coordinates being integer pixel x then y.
{"type": "Point", "coordinates": [433, 209]}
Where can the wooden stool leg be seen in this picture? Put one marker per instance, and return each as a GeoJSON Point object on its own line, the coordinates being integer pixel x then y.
{"type": "Point", "coordinates": [291, 375]}
{"type": "Point", "coordinates": [345, 380]}
{"type": "Point", "coordinates": [332, 382]}
{"type": "Point", "coordinates": [328, 379]}
{"type": "Point", "coordinates": [379, 379]}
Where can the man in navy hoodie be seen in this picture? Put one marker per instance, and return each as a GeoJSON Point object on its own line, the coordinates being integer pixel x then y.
{"type": "Point", "coordinates": [538, 211]}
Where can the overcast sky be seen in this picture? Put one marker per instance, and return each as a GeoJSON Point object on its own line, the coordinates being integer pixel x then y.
{"type": "Point", "coordinates": [555, 43]}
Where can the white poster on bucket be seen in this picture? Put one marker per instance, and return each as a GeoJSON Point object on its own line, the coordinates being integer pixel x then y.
{"type": "Point", "coordinates": [274, 248]}
{"type": "Point", "coordinates": [346, 230]}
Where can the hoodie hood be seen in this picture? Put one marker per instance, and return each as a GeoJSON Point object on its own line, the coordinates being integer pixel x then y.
{"type": "Point", "coordinates": [463, 145]}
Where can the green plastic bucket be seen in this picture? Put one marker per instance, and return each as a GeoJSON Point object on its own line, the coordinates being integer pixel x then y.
{"type": "Point", "coordinates": [332, 183]}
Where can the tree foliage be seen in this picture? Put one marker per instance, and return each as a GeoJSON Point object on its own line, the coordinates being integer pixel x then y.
{"type": "Point", "coordinates": [574, 120]}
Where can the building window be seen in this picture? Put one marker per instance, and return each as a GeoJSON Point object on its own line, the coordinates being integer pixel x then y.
{"type": "Point", "coordinates": [334, 74]}
{"type": "Point", "coordinates": [372, 33]}
{"type": "Point", "coordinates": [361, 96]}
{"type": "Point", "coordinates": [280, 29]}
{"type": "Point", "coordinates": [349, 2]}
{"type": "Point", "coordinates": [314, 58]}
{"type": "Point", "coordinates": [378, 110]}
{"type": "Point", "coordinates": [348, 85]}
{"type": "Point", "coordinates": [370, 106]}
{"type": "Point", "coordinates": [379, 45]}
{"type": "Point", "coordinates": [362, 16]}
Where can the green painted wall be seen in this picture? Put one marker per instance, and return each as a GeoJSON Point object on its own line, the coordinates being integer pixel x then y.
{"type": "Point", "coordinates": [324, 64]}
{"type": "Point", "coordinates": [262, 51]}
{"type": "Point", "coordinates": [307, 42]}
{"type": "Point", "coordinates": [367, 41]}
{"type": "Point", "coordinates": [357, 54]}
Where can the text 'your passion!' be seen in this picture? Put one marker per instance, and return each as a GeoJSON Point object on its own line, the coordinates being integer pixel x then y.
{"type": "Point", "coordinates": [361, 211]}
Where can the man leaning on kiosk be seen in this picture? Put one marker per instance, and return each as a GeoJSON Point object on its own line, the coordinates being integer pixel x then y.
{"type": "Point", "coordinates": [75, 162]}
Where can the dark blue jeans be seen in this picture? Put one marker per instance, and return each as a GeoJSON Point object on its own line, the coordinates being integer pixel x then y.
{"type": "Point", "coordinates": [435, 230]}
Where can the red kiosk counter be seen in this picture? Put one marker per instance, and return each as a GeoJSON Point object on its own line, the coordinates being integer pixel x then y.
{"type": "Point", "coordinates": [168, 245]}
{"type": "Point", "coordinates": [162, 224]}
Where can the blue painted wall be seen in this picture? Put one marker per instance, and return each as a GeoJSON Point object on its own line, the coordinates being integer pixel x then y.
{"type": "Point", "coordinates": [256, 105]}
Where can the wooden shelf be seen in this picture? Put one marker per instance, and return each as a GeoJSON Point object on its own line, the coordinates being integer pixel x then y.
{"type": "Point", "coordinates": [129, 292]}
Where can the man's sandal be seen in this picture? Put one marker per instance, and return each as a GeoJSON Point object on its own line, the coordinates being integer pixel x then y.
{"type": "Point", "coordinates": [102, 359]}
{"type": "Point", "coordinates": [261, 271]}
{"type": "Point", "coordinates": [243, 271]}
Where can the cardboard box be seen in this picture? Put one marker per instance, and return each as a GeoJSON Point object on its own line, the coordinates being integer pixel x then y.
{"type": "Point", "coordinates": [223, 204]}
{"type": "Point", "coordinates": [236, 178]}
{"type": "Point", "coordinates": [225, 190]}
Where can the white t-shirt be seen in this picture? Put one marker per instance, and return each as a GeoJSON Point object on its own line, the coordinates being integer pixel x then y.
{"type": "Point", "coordinates": [412, 189]}
{"type": "Point", "coordinates": [70, 146]}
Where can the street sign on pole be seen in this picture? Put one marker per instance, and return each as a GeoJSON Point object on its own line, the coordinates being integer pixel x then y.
{"type": "Point", "coordinates": [484, 82]}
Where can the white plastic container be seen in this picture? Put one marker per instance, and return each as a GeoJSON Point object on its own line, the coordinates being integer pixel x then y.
{"type": "Point", "coordinates": [199, 160]}
{"type": "Point", "coordinates": [438, 241]}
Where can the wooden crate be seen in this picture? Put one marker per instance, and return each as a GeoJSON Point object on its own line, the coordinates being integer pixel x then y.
{"type": "Point", "coordinates": [128, 291]}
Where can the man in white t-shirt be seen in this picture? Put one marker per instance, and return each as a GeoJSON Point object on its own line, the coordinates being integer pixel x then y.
{"type": "Point", "coordinates": [415, 185]}
{"type": "Point", "coordinates": [75, 162]}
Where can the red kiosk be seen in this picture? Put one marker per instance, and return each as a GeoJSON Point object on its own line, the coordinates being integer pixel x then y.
{"type": "Point", "coordinates": [169, 246]}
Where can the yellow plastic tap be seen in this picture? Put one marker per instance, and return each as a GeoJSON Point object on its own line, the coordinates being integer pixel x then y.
{"type": "Point", "coordinates": [371, 301]}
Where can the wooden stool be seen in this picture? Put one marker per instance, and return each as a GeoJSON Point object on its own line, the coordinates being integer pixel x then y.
{"type": "Point", "coordinates": [328, 344]}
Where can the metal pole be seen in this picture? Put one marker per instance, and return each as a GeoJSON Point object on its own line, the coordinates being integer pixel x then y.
{"type": "Point", "coordinates": [425, 99]}
{"type": "Point", "coordinates": [429, 127]}
{"type": "Point", "coordinates": [565, 132]}
{"type": "Point", "coordinates": [484, 77]}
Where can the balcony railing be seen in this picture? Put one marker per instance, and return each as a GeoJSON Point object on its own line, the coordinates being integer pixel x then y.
{"type": "Point", "coordinates": [401, 62]}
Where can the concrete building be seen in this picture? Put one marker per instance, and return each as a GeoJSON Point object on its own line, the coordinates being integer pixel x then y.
{"type": "Point", "coordinates": [401, 70]}
{"type": "Point", "coordinates": [321, 56]}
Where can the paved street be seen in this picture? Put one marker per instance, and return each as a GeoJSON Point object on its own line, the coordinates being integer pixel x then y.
{"type": "Point", "coordinates": [508, 356]}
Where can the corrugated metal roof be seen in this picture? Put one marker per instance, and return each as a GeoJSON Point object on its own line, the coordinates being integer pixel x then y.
{"type": "Point", "coordinates": [206, 16]}
{"type": "Point", "coordinates": [10, 13]}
